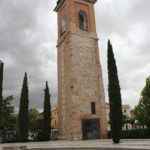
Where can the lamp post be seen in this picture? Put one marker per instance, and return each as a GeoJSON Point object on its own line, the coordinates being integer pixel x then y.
{"type": "Point", "coordinates": [1, 77]}
{"type": "Point", "coordinates": [1, 96]}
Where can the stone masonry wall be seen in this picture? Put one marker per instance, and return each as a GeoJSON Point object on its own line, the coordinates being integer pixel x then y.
{"type": "Point", "coordinates": [80, 84]}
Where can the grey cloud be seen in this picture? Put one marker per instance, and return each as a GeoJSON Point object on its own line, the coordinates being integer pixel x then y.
{"type": "Point", "coordinates": [27, 44]}
{"type": "Point", "coordinates": [28, 36]}
{"type": "Point", "coordinates": [126, 23]}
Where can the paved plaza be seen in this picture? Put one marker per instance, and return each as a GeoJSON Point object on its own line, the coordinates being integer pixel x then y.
{"type": "Point", "coordinates": [82, 145]}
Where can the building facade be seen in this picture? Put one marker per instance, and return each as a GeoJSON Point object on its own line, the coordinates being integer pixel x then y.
{"type": "Point", "coordinates": [82, 113]}
{"type": "Point", "coordinates": [126, 110]}
{"type": "Point", "coordinates": [54, 121]}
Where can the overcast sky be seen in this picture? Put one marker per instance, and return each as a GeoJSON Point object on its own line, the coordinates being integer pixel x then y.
{"type": "Point", "coordinates": [28, 36]}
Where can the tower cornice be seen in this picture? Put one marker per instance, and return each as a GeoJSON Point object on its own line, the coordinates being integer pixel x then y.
{"type": "Point", "coordinates": [60, 3]}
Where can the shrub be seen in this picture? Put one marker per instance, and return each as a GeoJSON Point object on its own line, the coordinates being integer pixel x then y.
{"type": "Point", "coordinates": [134, 134]}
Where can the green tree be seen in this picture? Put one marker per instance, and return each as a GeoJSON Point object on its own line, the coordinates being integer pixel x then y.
{"type": "Point", "coordinates": [125, 121]}
{"type": "Point", "coordinates": [46, 131]}
{"type": "Point", "coordinates": [142, 111]}
{"type": "Point", "coordinates": [23, 118]}
{"type": "Point", "coordinates": [139, 114]}
{"type": "Point", "coordinates": [114, 97]}
{"type": "Point", "coordinates": [7, 116]}
{"type": "Point", "coordinates": [8, 120]}
{"type": "Point", "coordinates": [33, 123]}
{"type": "Point", "coordinates": [39, 127]}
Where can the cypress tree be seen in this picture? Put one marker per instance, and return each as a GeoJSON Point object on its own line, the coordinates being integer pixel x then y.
{"type": "Point", "coordinates": [1, 97]}
{"type": "Point", "coordinates": [46, 131]}
{"type": "Point", "coordinates": [23, 118]}
{"type": "Point", "coordinates": [114, 97]}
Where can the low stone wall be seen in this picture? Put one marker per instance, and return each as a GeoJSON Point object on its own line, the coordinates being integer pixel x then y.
{"type": "Point", "coordinates": [129, 144]}
{"type": "Point", "coordinates": [14, 148]}
{"type": "Point", "coordinates": [89, 149]}
{"type": "Point", "coordinates": [25, 148]}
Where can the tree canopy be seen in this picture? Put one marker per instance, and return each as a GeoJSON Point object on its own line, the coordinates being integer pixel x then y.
{"type": "Point", "coordinates": [23, 118]}
{"type": "Point", "coordinates": [142, 110]}
{"type": "Point", "coordinates": [46, 132]}
{"type": "Point", "coordinates": [114, 96]}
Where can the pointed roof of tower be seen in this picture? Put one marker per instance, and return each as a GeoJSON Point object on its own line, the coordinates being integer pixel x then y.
{"type": "Point", "coordinates": [60, 2]}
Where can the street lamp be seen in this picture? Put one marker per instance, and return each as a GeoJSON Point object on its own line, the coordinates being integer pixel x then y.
{"type": "Point", "coordinates": [1, 78]}
{"type": "Point", "coordinates": [1, 71]}
{"type": "Point", "coordinates": [1, 63]}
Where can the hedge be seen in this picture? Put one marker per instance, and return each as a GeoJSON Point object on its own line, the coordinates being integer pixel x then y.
{"type": "Point", "coordinates": [134, 134]}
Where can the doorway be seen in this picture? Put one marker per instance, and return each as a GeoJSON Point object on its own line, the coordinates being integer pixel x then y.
{"type": "Point", "coordinates": [91, 129]}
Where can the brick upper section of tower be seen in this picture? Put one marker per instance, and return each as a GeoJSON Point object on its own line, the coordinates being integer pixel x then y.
{"type": "Point", "coordinates": [60, 2]}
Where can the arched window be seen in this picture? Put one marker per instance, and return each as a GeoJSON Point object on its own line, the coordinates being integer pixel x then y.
{"type": "Point", "coordinates": [83, 22]}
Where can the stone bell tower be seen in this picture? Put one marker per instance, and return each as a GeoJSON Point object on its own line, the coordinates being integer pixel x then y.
{"type": "Point", "coordinates": [80, 87]}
